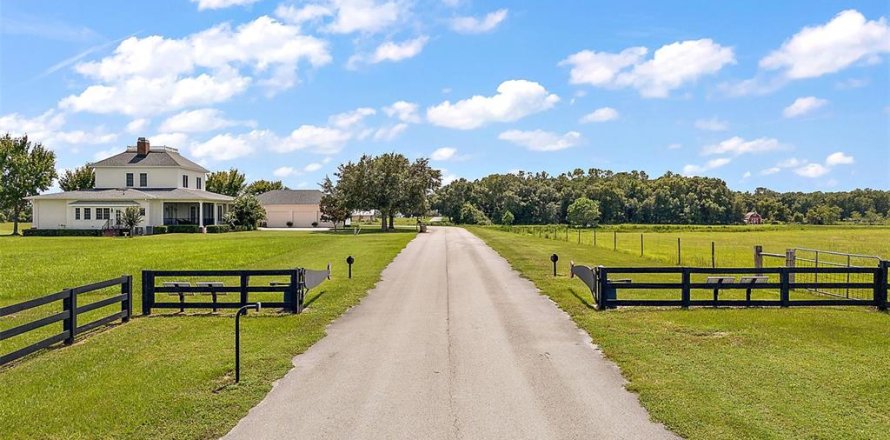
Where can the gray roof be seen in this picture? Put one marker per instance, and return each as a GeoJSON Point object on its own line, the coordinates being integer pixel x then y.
{"type": "Point", "coordinates": [157, 157]}
{"type": "Point", "coordinates": [290, 197]}
{"type": "Point", "coordinates": [135, 194]}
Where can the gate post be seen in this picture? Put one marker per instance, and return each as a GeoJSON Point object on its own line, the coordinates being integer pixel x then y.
{"type": "Point", "coordinates": [127, 303]}
{"type": "Point", "coordinates": [69, 325]}
{"type": "Point", "coordinates": [148, 291]}
{"type": "Point", "coordinates": [686, 296]}
{"type": "Point", "coordinates": [601, 280]}
{"type": "Point", "coordinates": [758, 258]}
{"type": "Point", "coordinates": [784, 291]}
{"type": "Point", "coordinates": [881, 284]}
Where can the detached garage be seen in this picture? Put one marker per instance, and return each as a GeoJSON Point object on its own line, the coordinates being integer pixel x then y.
{"type": "Point", "coordinates": [299, 206]}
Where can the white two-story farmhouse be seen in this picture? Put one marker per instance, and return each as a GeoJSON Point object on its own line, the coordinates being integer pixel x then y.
{"type": "Point", "coordinates": [167, 188]}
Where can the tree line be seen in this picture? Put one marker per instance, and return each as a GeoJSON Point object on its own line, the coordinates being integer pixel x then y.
{"type": "Point", "coordinates": [635, 197]}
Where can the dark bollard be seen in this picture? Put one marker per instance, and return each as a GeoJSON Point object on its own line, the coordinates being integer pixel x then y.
{"type": "Point", "coordinates": [554, 258]}
{"type": "Point", "coordinates": [241, 311]}
{"type": "Point", "coordinates": [349, 261]}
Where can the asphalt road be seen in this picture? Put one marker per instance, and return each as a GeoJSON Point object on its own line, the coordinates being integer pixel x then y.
{"type": "Point", "coordinates": [451, 344]}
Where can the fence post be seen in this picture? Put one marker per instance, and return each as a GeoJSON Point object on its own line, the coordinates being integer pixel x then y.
{"type": "Point", "coordinates": [127, 303]}
{"type": "Point", "coordinates": [791, 261]}
{"type": "Point", "coordinates": [758, 258]}
{"type": "Point", "coordinates": [641, 245]}
{"type": "Point", "coordinates": [245, 281]}
{"type": "Point", "coordinates": [615, 240]}
{"type": "Point", "coordinates": [686, 294]}
{"type": "Point", "coordinates": [881, 285]}
{"type": "Point", "coordinates": [148, 291]}
{"type": "Point", "coordinates": [594, 238]}
{"type": "Point", "coordinates": [579, 236]}
{"type": "Point", "coordinates": [713, 255]}
{"type": "Point", "coordinates": [69, 325]}
{"type": "Point", "coordinates": [679, 260]}
{"type": "Point", "coordinates": [816, 274]}
{"type": "Point", "coordinates": [784, 290]}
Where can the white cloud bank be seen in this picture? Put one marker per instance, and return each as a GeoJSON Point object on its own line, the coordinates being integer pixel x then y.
{"type": "Point", "coordinates": [515, 99]}
{"type": "Point", "coordinates": [671, 66]}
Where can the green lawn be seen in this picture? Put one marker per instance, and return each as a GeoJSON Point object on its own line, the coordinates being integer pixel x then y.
{"type": "Point", "coordinates": [729, 373]}
{"type": "Point", "coordinates": [168, 376]}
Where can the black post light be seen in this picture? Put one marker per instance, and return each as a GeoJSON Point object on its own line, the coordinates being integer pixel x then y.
{"type": "Point", "coordinates": [241, 311]}
{"type": "Point", "coordinates": [349, 261]}
{"type": "Point", "coordinates": [554, 258]}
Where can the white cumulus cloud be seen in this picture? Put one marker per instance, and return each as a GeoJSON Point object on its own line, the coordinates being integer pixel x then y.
{"type": "Point", "coordinates": [390, 51]}
{"type": "Point", "coordinates": [540, 140]}
{"type": "Point", "coordinates": [473, 25]}
{"type": "Point", "coordinates": [444, 153]}
{"type": "Point", "coordinates": [694, 170]}
{"type": "Point", "coordinates": [221, 4]}
{"type": "Point", "coordinates": [839, 158]}
{"type": "Point", "coordinates": [198, 121]}
{"type": "Point", "coordinates": [671, 66]}
{"type": "Point", "coordinates": [712, 124]}
{"type": "Point", "coordinates": [404, 111]}
{"type": "Point", "coordinates": [812, 170]}
{"type": "Point", "coordinates": [802, 106]}
{"type": "Point", "coordinates": [600, 115]}
{"type": "Point", "coordinates": [737, 146]}
{"type": "Point", "coordinates": [515, 99]}
{"type": "Point", "coordinates": [818, 50]}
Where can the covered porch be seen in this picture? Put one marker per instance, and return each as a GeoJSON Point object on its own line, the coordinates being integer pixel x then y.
{"type": "Point", "coordinates": [194, 213]}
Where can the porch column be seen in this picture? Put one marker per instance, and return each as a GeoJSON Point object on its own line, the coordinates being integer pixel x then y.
{"type": "Point", "coordinates": [215, 220]}
{"type": "Point", "coordinates": [201, 214]}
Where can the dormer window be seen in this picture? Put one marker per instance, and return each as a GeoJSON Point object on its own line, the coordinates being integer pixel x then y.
{"type": "Point", "coordinates": [185, 181]}
{"type": "Point", "coordinates": [129, 180]}
{"type": "Point", "coordinates": [143, 179]}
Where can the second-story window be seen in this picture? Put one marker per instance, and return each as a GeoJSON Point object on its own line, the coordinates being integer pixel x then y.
{"type": "Point", "coordinates": [197, 183]}
{"type": "Point", "coordinates": [129, 179]}
{"type": "Point", "coordinates": [143, 179]}
{"type": "Point", "coordinates": [185, 181]}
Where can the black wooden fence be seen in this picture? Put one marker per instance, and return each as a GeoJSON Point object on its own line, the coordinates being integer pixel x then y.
{"type": "Point", "coordinates": [69, 314]}
{"type": "Point", "coordinates": [293, 290]}
{"type": "Point", "coordinates": [606, 283]}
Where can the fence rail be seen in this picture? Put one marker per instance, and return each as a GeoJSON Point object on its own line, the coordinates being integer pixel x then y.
{"type": "Point", "coordinates": [68, 316]}
{"type": "Point", "coordinates": [606, 290]}
{"type": "Point", "coordinates": [293, 290]}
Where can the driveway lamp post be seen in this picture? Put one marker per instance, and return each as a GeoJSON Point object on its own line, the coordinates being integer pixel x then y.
{"type": "Point", "coordinates": [349, 261]}
{"type": "Point", "coordinates": [554, 258]}
{"type": "Point", "coordinates": [241, 311]}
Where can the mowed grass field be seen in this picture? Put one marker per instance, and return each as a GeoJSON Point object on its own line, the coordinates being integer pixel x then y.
{"type": "Point", "coordinates": [168, 375]}
{"type": "Point", "coordinates": [734, 245]}
{"type": "Point", "coordinates": [6, 228]}
{"type": "Point", "coordinates": [727, 373]}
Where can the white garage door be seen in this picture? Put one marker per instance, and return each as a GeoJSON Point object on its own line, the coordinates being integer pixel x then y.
{"type": "Point", "coordinates": [279, 218]}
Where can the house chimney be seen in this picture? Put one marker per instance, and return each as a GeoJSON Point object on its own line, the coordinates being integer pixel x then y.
{"type": "Point", "coordinates": [142, 146]}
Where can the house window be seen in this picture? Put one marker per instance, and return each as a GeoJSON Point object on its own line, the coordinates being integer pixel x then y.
{"type": "Point", "coordinates": [185, 181]}
{"type": "Point", "coordinates": [129, 179]}
{"type": "Point", "coordinates": [142, 211]}
{"type": "Point", "coordinates": [76, 213]}
{"type": "Point", "coordinates": [197, 182]}
{"type": "Point", "coordinates": [143, 179]}
{"type": "Point", "coordinates": [103, 213]}
{"type": "Point", "coordinates": [87, 213]}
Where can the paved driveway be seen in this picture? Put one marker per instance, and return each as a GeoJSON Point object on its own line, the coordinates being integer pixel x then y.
{"type": "Point", "coordinates": [451, 344]}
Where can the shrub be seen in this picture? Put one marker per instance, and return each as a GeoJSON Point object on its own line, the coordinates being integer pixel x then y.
{"type": "Point", "coordinates": [314, 224]}
{"type": "Point", "coordinates": [290, 224]}
{"type": "Point", "coordinates": [159, 230]}
{"type": "Point", "coordinates": [62, 232]}
{"type": "Point", "coordinates": [471, 215]}
{"type": "Point", "coordinates": [247, 211]}
{"type": "Point", "coordinates": [183, 229]}
{"type": "Point", "coordinates": [218, 229]}
{"type": "Point", "coordinates": [507, 218]}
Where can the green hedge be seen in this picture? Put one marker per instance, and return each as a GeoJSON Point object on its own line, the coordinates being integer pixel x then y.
{"type": "Point", "coordinates": [62, 232]}
{"type": "Point", "coordinates": [218, 229]}
{"type": "Point", "coordinates": [159, 230]}
{"type": "Point", "coordinates": [183, 229]}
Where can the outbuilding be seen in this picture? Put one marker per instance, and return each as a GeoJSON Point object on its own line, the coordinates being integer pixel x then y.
{"type": "Point", "coordinates": [299, 207]}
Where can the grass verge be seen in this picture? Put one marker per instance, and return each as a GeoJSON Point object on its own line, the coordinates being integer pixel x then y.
{"type": "Point", "coordinates": [728, 373]}
{"type": "Point", "coordinates": [170, 376]}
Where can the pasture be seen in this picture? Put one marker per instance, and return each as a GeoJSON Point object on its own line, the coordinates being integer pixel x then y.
{"type": "Point", "coordinates": [169, 375]}
{"type": "Point", "coordinates": [734, 245]}
{"type": "Point", "coordinates": [731, 373]}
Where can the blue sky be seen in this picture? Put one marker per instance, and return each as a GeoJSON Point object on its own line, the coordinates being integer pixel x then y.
{"type": "Point", "coordinates": [788, 95]}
